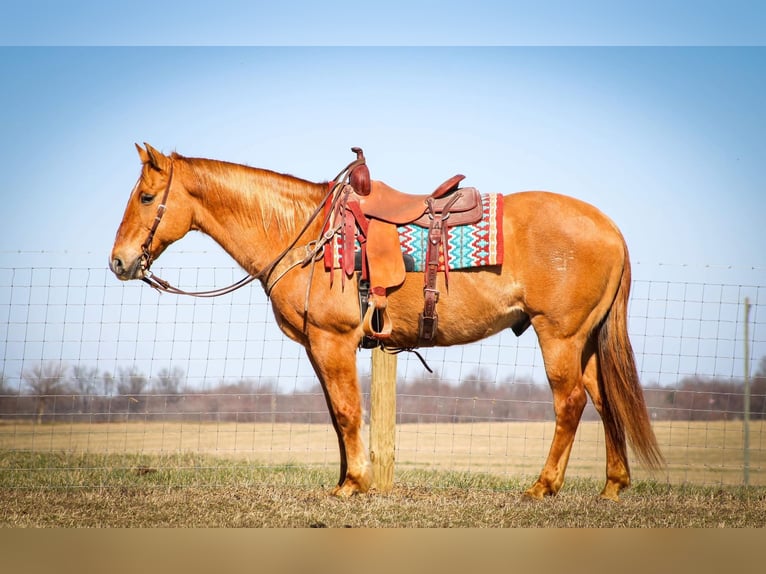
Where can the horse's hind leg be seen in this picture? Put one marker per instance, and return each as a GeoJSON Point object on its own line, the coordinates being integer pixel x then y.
{"type": "Point", "coordinates": [563, 365]}
{"type": "Point", "coordinates": [334, 361]}
{"type": "Point", "coordinates": [617, 469]}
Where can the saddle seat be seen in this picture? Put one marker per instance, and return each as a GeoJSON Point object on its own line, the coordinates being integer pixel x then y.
{"type": "Point", "coordinates": [393, 206]}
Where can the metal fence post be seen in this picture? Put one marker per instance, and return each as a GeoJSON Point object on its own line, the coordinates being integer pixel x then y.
{"type": "Point", "coordinates": [746, 414]}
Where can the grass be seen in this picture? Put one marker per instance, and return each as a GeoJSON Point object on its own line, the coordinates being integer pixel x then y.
{"type": "Point", "coordinates": [696, 452]}
{"type": "Point", "coordinates": [192, 490]}
{"type": "Point", "coordinates": [143, 474]}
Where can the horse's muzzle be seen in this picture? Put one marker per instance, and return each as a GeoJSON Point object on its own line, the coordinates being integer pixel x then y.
{"type": "Point", "coordinates": [127, 272]}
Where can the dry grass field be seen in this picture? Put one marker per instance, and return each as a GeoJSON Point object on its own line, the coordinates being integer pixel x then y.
{"type": "Point", "coordinates": [279, 475]}
{"type": "Point", "coordinates": [696, 452]}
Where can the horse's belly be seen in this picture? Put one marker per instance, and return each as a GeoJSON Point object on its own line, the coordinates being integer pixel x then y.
{"type": "Point", "coordinates": [476, 305]}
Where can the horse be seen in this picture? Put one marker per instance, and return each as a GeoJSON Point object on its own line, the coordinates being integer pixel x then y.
{"type": "Point", "coordinates": [566, 271]}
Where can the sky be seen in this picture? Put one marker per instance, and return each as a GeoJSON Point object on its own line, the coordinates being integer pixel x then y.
{"type": "Point", "coordinates": [655, 116]}
{"type": "Point", "coordinates": [395, 22]}
{"type": "Point", "coordinates": [668, 141]}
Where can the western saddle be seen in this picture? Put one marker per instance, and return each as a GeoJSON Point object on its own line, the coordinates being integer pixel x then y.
{"type": "Point", "coordinates": [369, 212]}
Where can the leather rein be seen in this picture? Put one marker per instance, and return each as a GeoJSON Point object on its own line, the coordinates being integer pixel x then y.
{"type": "Point", "coordinates": [313, 250]}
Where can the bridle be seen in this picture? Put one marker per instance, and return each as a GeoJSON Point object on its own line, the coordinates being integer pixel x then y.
{"type": "Point", "coordinates": [146, 257]}
{"type": "Point", "coordinates": [313, 250]}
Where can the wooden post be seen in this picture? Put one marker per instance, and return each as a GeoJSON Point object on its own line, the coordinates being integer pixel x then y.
{"type": "Point", "coordinates": [383, 419]}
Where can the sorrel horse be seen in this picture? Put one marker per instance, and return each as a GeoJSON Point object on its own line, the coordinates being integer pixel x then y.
{"type": "Point", "coordinates": [566, 270]}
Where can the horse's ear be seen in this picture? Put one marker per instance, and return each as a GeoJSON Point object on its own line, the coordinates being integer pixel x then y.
{"type": "Point", "coordinates": [142, 154]}
{"type": "Point", "coordinates": [155, 158]}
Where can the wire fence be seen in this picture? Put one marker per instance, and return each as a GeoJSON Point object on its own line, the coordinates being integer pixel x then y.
{"type": "Point", "coordinates": [92, 365]}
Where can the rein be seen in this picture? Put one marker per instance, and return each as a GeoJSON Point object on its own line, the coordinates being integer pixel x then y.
{"type": "Point", "coordinates": [313, 249]}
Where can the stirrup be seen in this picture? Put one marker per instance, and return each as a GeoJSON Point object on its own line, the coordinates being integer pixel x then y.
{"type": "Point", "coordinates": [376, 322]}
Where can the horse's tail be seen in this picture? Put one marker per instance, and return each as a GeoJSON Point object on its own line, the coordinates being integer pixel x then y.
{"type": "Point", "coordinates": [624, 410]}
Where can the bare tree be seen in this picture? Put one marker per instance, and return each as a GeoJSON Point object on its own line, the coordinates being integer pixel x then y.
{"type": "Point", "coordinates": [758, 392]}
{"type": "Point", "coordinates": [107, 380]}
{"type": "Point", "coordinates": [761, 372]}
{"type": "Point", "coordinates": [83, 381]}
{"type": "Point", "coordinates": [130, 381]}
{"type": "Point", "coordinates": [45, 381]}
{"type": "Point", "coordinates": [169, 381]}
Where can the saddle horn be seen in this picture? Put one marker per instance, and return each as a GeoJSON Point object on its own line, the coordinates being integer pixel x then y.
{"type": "Point", "coordinates": [359, 178]}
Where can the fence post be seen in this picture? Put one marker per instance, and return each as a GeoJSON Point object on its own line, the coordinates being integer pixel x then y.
{"type": "Point", "coordinates": [383, 418]}
{"type": "Point", "coordinates": [746, 414]}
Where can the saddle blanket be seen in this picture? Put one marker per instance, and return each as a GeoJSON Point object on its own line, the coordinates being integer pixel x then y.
{"type": "Point", "coordinates": [476, 245]}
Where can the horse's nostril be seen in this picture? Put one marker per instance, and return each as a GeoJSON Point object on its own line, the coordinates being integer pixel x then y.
{"type": "Point", "coordinates": [117, 267]}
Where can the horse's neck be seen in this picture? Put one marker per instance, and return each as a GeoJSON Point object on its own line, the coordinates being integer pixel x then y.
{"type": "Point", "coordinates": [252, 213]}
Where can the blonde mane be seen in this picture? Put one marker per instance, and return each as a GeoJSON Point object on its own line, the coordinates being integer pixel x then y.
{"type": "Point", "coordinates": [281, 200]}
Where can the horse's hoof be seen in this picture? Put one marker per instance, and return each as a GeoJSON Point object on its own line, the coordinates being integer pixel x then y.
{"type": "Point", "coordinates": [348, 489]}
{"type": "Point", "coordinates": [614, 486]}
{"type": "Point", "coordinates": [527, 498]}
{"type": "Point", "coordinates": [344, 492]}
{"type": "Point", "coordinates": [611, 492]}
{"type": "Point", "coordinates": [535, 492]}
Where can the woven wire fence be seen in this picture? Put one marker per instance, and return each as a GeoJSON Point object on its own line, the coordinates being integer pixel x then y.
{"type": "Point", "coordinates": [90, 365]}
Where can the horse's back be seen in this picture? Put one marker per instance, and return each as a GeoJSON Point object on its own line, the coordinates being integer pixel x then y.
{"type": "Point", "coordinates": [553, 213]}
{"type": "Point", "coordinates": [550, 229]}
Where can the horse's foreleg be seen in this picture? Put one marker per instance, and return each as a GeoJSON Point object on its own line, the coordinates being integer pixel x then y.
{"type": "Point", "coordinates": [334, 360]}
{"type": "Point", "coordinates": [564, 370]}
{"type": "Point", "coordinates": [617, 469]}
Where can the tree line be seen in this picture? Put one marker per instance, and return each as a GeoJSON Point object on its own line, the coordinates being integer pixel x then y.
{"type": "Point", "coordinates": [56, 392]}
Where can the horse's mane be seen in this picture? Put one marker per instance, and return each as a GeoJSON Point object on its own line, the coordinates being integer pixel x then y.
{"type": "Point", "coordinates": [282, 200]}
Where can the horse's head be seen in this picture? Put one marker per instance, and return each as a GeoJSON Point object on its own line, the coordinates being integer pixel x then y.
{"type": "Point", "coordinates": [158, 213]}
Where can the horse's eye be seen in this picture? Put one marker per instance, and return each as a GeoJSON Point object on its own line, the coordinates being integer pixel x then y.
{"type": "Point", "coordinates": [146, 198]}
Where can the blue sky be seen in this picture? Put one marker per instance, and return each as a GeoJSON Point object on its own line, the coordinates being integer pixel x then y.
{"type": "Point", "coordinates": [395, 22]}
{"type": "Point", "coordinates": [652, 113]}
{"type": "Point", "coordinates": [655, 116]}
{"type": "Point", "coordinates": [668, 141]}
